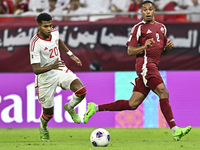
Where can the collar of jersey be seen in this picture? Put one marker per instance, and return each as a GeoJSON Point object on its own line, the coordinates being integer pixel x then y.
{"type": "Point", "coordinates": [45, 39]}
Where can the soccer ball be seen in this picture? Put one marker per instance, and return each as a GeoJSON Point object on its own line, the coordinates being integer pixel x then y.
{"type": "Point", "coordinates": [100, 137]}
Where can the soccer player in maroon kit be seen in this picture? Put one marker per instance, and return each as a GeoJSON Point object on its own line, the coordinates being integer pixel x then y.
{"type": "Point", "coordinates": [147, 41]}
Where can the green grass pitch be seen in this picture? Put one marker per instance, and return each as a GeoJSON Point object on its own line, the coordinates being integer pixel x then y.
{"type": "Point", "coordinates": [79, 139]}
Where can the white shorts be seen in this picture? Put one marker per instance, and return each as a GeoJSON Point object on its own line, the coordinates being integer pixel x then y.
{"type": "Point", "coordinates": [46, 87]}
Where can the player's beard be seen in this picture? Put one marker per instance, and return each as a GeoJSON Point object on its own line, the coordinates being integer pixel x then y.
{"type": "Point", "coordinates": [47, 35]}
{"type": "Point", "coordinates": [148, 21]}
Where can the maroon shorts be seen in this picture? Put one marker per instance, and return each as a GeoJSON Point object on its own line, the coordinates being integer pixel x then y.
{"type": "Point", "coordinates": [150, 81]}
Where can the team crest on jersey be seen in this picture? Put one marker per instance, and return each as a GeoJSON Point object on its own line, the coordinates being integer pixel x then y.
{"type": "Point", "coordinates": [162, 30]}
{"type": "Point", "coordinates": [42, 99]}
{"type": "Point", "coordinates": [56, 42]}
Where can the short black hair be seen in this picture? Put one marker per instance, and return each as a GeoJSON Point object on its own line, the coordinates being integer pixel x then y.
{"type": "Point", "coordinates": [148, 2]}
{"type": "Point", "coordinates": [43, 17]}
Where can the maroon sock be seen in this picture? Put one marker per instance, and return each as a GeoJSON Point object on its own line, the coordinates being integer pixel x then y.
{"type": "Point", "coordinates": [118, 105]}
{"type": "Point", "coordinates": [167, 112]}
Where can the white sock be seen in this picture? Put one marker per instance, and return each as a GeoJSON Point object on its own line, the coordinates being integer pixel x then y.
{"type": "Point", "coordinates": [70, 107]}
{"type": "Point", "coordinates": [96, 108]}
{"type": "Point", "coordinates": [43, 123]}
{"type": "Point", "coordinates": [74, 101]}
{"type": "Point", "coordinates": [174, 129]}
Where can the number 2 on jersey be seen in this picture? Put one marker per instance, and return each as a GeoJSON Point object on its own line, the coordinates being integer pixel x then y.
{"type": "Point", "coordinates": [158, 38]}
{"type": "Point", "coordinates": [54, 52]}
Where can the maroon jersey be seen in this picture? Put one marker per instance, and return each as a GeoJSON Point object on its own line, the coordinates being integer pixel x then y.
{"type": "Point", "coordinates": [3, 7]}
{"type": "Point", "coordinates": [23, 6]}
{"type": "Point", "coordinates": [148, 60]}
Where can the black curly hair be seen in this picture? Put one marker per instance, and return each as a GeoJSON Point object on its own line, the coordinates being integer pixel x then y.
{"type": "Point", "coordinates": [43, 17]}
{"type": "Point", "coordinates": [147, 2]}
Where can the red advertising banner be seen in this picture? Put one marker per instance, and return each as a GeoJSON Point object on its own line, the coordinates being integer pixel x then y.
{"type": "Point", "coordinates": [103, 40]}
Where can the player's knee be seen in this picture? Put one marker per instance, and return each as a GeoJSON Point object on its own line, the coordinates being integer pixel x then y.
{"type": "Point", "coordinates": [133, 106]}
{"type": "Point", "coordinates": [64, 85]}
{"type": "Point", "coordinates": [81, 92]}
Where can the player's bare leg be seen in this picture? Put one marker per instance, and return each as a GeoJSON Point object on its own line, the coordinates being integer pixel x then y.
{"type": "Point", "coordinates": [79, 94]}
{"type": "Point", "coordinates": [136, 99]}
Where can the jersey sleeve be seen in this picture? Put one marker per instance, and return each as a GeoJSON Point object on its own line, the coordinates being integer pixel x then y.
{"type": "Point", "coordinates": [134, 36]}
{"type": "Point", "coordinates": [34, 52]}
{"type": "Point", "coordinates": [165, 34]}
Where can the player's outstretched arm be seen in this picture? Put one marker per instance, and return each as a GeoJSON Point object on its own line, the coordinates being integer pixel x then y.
{"type": "Point", "coordinates": [168, 47]}
{"type": "Point", "coordinates": [76, 59]}
{"type": "Point", "coordinates": [63, 46]}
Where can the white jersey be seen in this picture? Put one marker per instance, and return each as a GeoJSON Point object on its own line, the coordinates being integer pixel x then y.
{"type": "Point", "coordinates": [46, 52]}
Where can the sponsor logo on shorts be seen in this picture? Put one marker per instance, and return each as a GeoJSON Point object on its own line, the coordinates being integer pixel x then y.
{"type": "Point", "coordinates": [42, 99]}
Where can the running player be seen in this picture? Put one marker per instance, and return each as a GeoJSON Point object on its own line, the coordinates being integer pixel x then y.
{"type": "Point", "coordinates": [147, 41]}
{"type": "Point", "coordinates": [51, 72]}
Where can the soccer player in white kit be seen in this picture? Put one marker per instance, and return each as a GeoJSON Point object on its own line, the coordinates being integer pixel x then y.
{"type": "Point", "coordinates": [51, 72]}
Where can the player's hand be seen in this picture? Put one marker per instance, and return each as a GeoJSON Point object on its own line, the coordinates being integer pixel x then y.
{"type": "Point", "coordinates": [169, 45]}
{"type": "Point", "coordinates": [76, 59]}
{"type": "Point", "coordinates": [148, 43]}
{"type": "Point", "coordinates": [58, 63]}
